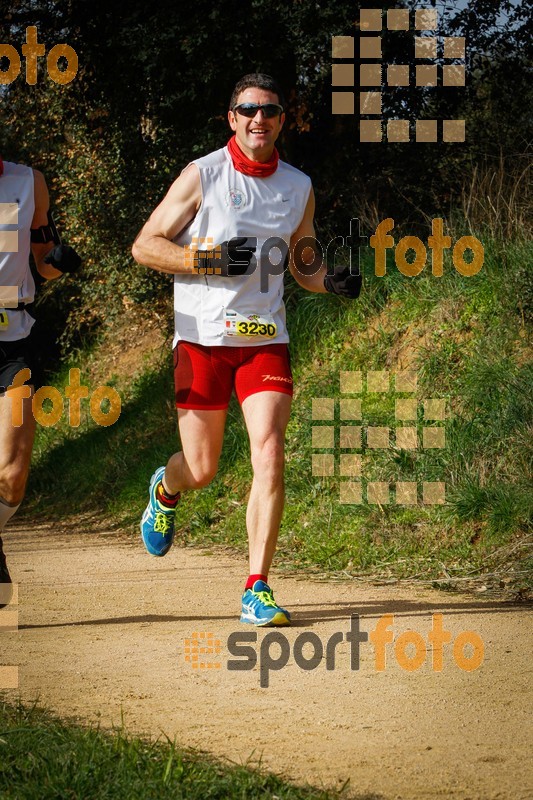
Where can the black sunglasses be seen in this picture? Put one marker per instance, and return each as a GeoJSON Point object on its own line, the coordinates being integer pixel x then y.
{"type": "Point", "coordinates": [250, 109]}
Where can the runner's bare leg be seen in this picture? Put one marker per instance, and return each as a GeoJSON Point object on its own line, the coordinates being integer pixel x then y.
{"type": "Point", "coordinates": [266, 415]}
{"type": "Point", "coordinates": [202, 435]}
{"type": "Point", "coordinates": [15, 449]}
{"type": "Point", "coordinates": [16, 444]}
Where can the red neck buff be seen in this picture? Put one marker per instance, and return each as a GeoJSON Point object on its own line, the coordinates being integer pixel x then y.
{"type": "Point", "coordinates": [257, 169]}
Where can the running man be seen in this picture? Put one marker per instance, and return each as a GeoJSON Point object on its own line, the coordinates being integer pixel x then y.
{"type": "Point", "coordinates": [24, 211]}
{"type": "Point", "coordinates": [210, 233]}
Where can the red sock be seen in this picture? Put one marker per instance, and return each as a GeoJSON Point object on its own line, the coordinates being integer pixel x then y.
{"type": "Point", "coordinates": [169, 500]}
{"type": "Point", "coordinates": [253, 578]}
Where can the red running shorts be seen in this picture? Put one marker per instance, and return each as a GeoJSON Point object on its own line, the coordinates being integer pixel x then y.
{"type": "Point", "coordinates": [204, 377]}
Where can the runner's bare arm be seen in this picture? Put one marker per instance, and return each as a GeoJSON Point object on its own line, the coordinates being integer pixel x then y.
{"type": "Point", "coordinates": [154, 247]}
{"type": "Point", "coordinates": [40, 217]}
{"type": "Point", "coordinates": [298, 264]}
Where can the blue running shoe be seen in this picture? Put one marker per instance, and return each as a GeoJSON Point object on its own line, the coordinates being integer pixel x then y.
{"type": "Point", "coordinates": [157, 523]}
{"type": "Point", "coordinates": [260, 608]}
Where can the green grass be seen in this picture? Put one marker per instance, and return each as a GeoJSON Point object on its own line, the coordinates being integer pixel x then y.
{"type": "Point", "coordinates": [468, 340]}
{"type": "Point", "coordinates": [45, 758]}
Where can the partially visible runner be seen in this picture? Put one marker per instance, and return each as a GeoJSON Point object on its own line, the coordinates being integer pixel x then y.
{"type": "Point", "coordinates": [230, 319]}
{"type": "Point", "coordinates": [24, 210]}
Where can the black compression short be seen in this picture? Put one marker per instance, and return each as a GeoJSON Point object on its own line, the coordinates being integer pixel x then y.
{"type": "Point", "coordinates": [15, 356]}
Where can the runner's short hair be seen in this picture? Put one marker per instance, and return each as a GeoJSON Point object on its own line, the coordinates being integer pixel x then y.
{"type": "Point", "coordinates": [256, 80]}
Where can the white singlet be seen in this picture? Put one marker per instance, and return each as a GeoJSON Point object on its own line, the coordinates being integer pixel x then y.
{"type": "Point", "coordinates": [17, 206]}
{"type": "Point", "coordinates": [212, 310]}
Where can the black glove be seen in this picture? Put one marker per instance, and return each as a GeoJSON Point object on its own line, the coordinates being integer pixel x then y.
{"type": "Point", "coordinates": [239, 256]}
{"type": "Point", "coordinates": [343, 282]}
{"type": "Point", "coordinates": [64, 258]}
{"type": "Point", "coordinates": [229, 258]}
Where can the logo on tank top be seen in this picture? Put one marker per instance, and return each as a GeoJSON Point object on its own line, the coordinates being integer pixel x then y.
{"type": "Point", "coordinates": [235, 199]}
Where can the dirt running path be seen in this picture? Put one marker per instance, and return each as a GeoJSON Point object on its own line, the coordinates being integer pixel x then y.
{"type": "Point", "coordinates": [102, 630]}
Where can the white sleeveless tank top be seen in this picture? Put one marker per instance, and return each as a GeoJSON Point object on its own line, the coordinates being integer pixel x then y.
{"type": "Point", "coordinates": [206, 308]}
{"type": "Point", "coordinates": [17, 206]}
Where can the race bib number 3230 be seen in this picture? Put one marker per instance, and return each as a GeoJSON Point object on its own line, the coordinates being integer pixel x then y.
{"type": "Point", "coordinates": [236, 324]}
